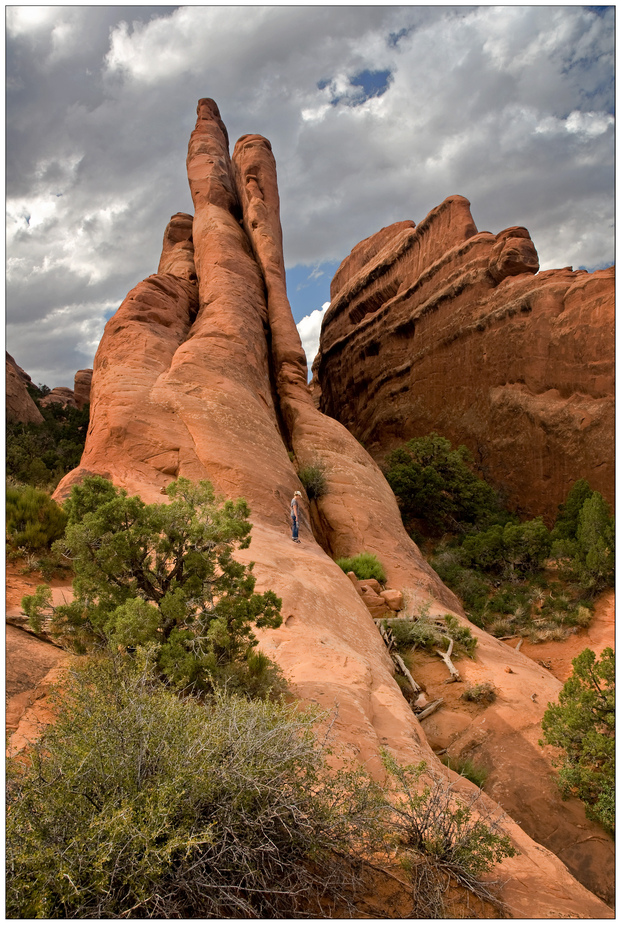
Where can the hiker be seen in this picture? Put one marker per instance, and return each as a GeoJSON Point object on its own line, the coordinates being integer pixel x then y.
{"type": "Point", "coordinates": [295, 516]}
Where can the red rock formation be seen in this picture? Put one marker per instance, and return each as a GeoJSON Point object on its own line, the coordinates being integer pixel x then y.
{"type": "Point", "coordinates": [444, 328]}
{"type": "Point", "coordinates": [82, 387]}
{"type": "Point", "coordinates": [20, 408]}
{"type": "Point", "coordinates": [61, 395]}
{"type": "Point", "coordinates": [201, 374]}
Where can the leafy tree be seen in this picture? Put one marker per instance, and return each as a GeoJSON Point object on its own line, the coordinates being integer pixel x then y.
{"type": "Point", "coordinates": [515, 549]}
{"type": "Point", "coordinates": [582, 724]}
{"type": "Point", "coordinates": [566, 526]}
{"type": "Point", "coordinates": [434, 483]}
{"type": "Point", "coordinates": [137, 803]}
{"type": "Point", "coordinates": [163, 574]}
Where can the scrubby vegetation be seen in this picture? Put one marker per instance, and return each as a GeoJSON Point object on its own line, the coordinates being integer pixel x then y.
{"type": "Point", "coordinates": [494, 562]}
{"type": "Point", "coordinates": [33, 520]}
{"type": "Point", "coordinates": [140, 803]}
{"type": "Point", "coordinates": [41, 454]}
{"type": "Point", "coordinates": [314, 480]}
{"type": "Point", "coordinates": [175, 783]}
{"type": "Point", "coordinates": [427, 633]}
{"type": "Point", "coordinates": [364, 566]}
{"type": "Point", "coordinates": [162, 574]}
{"type": "Point", "coordinates": [582, 725]}
{"type": "Point", "coordinates": [476, 774]}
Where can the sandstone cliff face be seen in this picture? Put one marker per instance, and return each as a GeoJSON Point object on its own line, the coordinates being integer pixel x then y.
{"type": "Point", "coordinates": [201, 374]}
{"type": "Point", "coordinates": [20, 408]}
{"type": "Point", "coordinates": [82, 387]}
{"type": "Point", "coordinates": [440, 327]}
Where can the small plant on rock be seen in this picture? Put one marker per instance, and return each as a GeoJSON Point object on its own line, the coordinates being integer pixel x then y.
{"type": "Point", "coordinates": [314, 480]}
{"type": "Point", "coordinates": [484, 692]}
{"type": "Point", "coordinates": [364, 566]}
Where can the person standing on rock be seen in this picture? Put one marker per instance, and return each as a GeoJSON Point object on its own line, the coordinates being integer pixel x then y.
{"type": "Point", "coordinates": [295, 516]}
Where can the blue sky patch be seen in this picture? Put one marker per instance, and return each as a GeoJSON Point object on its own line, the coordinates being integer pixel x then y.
{"type": "Point", "coordinates": [362, 87]}
{"type": "Point", "coordinates": [308, 287]}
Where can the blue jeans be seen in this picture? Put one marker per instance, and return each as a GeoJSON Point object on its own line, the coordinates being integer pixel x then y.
{"type": "Point", "coordinates": [294, 527]}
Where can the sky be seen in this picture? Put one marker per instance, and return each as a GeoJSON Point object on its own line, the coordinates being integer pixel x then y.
{"type": "Point", "coordinates": [375, 114]}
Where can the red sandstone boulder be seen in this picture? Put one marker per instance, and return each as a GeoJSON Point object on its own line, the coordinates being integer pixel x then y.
{"type": "Point", "coordinates": [443, 328]}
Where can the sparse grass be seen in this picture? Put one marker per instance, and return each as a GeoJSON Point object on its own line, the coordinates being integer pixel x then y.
{"type": "Point", "coordinates": [468, 769]}
{"type": "Point", "coordinates": [480, 693]}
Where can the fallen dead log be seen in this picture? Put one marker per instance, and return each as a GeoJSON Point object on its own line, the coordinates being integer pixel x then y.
{"type": "Point", "coordinates": [433, 706]}
{"type": "Point", "coordinates": [401, 664]}
{"type": "Point", "coordinates": [446, 658]}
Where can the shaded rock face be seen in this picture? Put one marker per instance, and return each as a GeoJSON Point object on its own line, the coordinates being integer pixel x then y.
{"type": "Point", "coordinates": [201, 374]}
{"type": "Point", "coordinates": [442, 328]}
{"type": "Point", "coordinates": [20, 408]}
{"type": "Point", "coordinates": [82, 387]}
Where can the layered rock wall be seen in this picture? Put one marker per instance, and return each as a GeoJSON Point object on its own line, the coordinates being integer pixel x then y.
{"type": "Point", "coordinates": [442, 328]}
{"type": "Point", "coordinates": [201, 374]}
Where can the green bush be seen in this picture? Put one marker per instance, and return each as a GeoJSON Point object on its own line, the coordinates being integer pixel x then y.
{"type": "Point", "coordinates": [365, 565]}
{"type": "Point", "coordinates": [435, 484]}
{"type": "Point", "coordinates": [582, 724]}
{"type": "Point", "coordinates": [139, 804]}
{"type": "Point", "coordinates": [163, 574]}
{"type": "Point", "coordinates": [313, 478]}
{"type": "Point", "coordinates": [433, 822]}
{"type": "Point", "coordinates": [33, 519]}
{"type": "Point", "coordinates": [427, 634]}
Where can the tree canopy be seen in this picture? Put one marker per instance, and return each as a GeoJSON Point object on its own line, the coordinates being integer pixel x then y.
{"type": "Point", "coordinates": [582, 724]}
{"type": "Point", "coordinates": [163, 574]}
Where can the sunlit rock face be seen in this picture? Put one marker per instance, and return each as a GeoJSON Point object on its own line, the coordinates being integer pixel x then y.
{"type": "Point", "coordinates": [201, 374]}
{"type": "Point", "coordinates": [443, 328]}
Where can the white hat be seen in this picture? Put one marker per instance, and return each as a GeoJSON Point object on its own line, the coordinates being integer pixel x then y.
{"type": "Point", "coordinates": [297, 493]}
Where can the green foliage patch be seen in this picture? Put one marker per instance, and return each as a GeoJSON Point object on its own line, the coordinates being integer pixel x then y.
{"type": "Point", "coordinates": [41, 454]}
{"type": "Point", "coordinates": [364, 566]}
{"type": "Point", "coordinates": [582, 724]}
{"type": "Point", "coordinates": [163, 574]}
{"type": "Point", "coordinates": [33, 519]}
{"type": "Point", "coordinates": [314, 480]}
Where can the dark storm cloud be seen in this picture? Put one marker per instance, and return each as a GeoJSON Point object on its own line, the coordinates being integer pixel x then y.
{"type": "Point", "coordinates": [375, 114]}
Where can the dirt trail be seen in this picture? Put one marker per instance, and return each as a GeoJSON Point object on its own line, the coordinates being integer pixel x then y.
{"type": "Point", "coordinates": [557, 656]}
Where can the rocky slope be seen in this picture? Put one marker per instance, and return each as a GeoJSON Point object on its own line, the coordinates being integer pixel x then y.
{"type": "Point", "coordinates": [20, 408]}
{"type": "Point", "coordinates": [201, 374]}
{"type": "Point", "coordinates": [419, 313]}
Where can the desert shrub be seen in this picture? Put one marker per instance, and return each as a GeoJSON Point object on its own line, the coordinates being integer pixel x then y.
{"type": "Point", "coordinates": [476, 774]}
{"type": "Point", "coordinates": [365, 565]}
{"type": "Point", "coordinates": [313, 478]}
{"type": "Point", "coordinates": [435, 484]}
{"type": "Point", "coordinates": [480, 693]}
{"type": "Point", "coordinates": [582, 725]}
{"type": "Point", "coordinates": [515, 550]}
{"type": "Point", "coordinates": [137, 803]}
{"type": "Point", "coordinates": [433, 822]}
{"type": "Point", "coordinates": [33, 519]}
{"type": "Point", "coordinates": [163, 574]}
{"type": "Point", "coordinates": [426, 633]}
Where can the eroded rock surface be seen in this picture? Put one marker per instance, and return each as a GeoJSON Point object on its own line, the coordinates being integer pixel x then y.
{"type": "Point", "coordinates": [201, 374]}
{"type": "Point", "coordinates": [443, 328]}
{"type": "Point", "coordinates": [61, 395]}
{"type": "Point", "coordinates": [20, 408]}
{"type": "Point", "coordinates": [82, 387]}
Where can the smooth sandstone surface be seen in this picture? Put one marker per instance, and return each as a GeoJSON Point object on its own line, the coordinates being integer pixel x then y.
{"type": "Point", "coordinates": [420, 313]}
{"type": "Point", "coordinates": [202, 375]}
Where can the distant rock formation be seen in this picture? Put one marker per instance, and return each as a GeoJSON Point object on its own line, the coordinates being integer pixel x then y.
{"type": "Point", "coordinates": [201, 374]}
{"type": "Point", "coordinates": [82, 387]}
{"type": "Point", "coordinates": [20, 408]}
{"type": "Point", "coordinates": [60, 395]}
{"type": "Point", "coordinates": [439, 327]}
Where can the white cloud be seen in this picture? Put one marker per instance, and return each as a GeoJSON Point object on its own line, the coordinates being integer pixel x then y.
{"type": "Point", "coordinates": [309, 329]}
{"type": "Point", "coordinates": [508, 106]}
